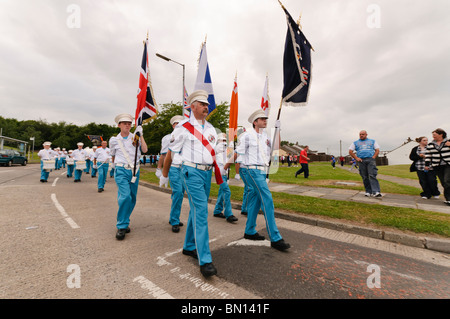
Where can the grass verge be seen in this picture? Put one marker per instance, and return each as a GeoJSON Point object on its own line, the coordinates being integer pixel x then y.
{"type": "Point", "coordinates": [405, 219]}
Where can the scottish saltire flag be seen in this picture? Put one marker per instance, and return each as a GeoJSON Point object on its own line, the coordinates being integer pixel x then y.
{"type": "Point", "coordinates": [232, 125]}
{"type": "Point", "coordinates": [296, 65]}
{"type": "Point", "coordinates": [203, 81]}
{"type": "Point", "coordinates": [146, 106]}
{"type": "Point", "coordinates": [186, 107]}
{"type": "Point", "coordinates": [265, 101]}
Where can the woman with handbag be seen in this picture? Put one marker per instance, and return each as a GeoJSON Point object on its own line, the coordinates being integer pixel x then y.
{"type": "Point", "coordinates": [427, 177]}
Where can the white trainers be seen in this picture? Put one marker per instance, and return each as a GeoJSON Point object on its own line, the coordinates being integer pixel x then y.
{"type": "Point", "coordinates": [367, 194]}
{"type": "Point", "coordinates": [424, 197]}
{"type": "Point", "coordinates": [377, 194]}
{"type": "Point", "coordinates": [437, 196]}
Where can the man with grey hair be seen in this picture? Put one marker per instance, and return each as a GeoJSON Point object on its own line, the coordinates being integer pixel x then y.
{"type": "Point", "coordinates": [365, 151]}
{"type": "Point", "coordinates": [194, 139]}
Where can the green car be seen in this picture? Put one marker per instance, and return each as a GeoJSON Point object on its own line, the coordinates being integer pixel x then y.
{"type": "Point", "coordinates": [9, 157]}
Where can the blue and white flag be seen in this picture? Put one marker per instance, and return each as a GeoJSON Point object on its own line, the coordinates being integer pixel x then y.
{"type": "Point", "coordinates": [203, 81]}
{"type": "Point", "coordinates": [296, 65]}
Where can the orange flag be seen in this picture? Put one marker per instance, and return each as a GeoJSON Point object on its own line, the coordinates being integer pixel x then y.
{"type": "Point", "coordinates": [233, 112]}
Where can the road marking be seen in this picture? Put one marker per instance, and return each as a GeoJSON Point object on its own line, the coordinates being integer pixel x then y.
{"type": "Point", "coordinates": [54, 182]}
{"type": "Point", "coordinates": [196, 281]}
{"type": "Point", "coordinates": [248, 242]}
{"type": "Point", "coordinates": [153, 289]}
{"type": "Point", "coordinates": [63, 212]}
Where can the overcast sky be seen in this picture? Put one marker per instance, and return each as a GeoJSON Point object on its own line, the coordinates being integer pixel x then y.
{"type": "Point", "coordinates": [378, 65]}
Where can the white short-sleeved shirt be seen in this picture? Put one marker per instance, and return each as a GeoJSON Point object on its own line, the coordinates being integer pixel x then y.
{"type": "Point", "coordinates": [165, 143]}
{"type": "Point", "coordinates": [119, 156]}
{"type": "Point", "coordinates": [102, 154]}
{"type": "Point", "coordinates": [46, 154]}
{"type": "Point", "coordinates": [253, 148]}
{"type": "Point", "coordinates": [79, 155]}
{"type": "Point", "coordinates": [221, 154]}
{"type": "Point", "coordinates": [190, 148]}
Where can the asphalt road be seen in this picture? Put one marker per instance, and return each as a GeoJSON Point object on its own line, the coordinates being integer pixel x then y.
{"type": "Point", "coordinates": [58, 242]}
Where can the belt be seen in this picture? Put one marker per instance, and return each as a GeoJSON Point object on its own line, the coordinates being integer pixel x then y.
{"type": "Point", "coordinates": [126, 166]}
{"type": "Point", "coordinates": [176, 165]}
{"type": "Point", "coordinates": [260, 167]}
{"type": "Point", "coordinates": [203, 167]}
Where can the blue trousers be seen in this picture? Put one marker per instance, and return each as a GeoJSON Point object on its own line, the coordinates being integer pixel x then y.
{"type": "Point", "coordinates": [368, 171]}
{"type": "Point", "coordinates": [259, 197]}
{"type": "Point", "coordinates": [111, 172]}
{"type": "Point", "coordinates": [63, 162]}
{"type": "Point", "coordinates": [94, 170]}
{"type": "Point", "coordinates": [244, 207]}
{"type": "Point", "coordinates": [70, 169]}
{"type": "Point", "coordinates": [177, 186]}
{"type": "Point", "coordinates": [223, 199]}
{"type": "Point", "coordinates": [126, 195]}
{"type": "Point", "coordinates": [102, 172]}
{"type": "Point", "coordinates": [88, 166]}
{"type": "Point", "coordinates": [78, 172]}
{"type": "Point", "coordinates": [197, 184]}
{"type": "Point", "coordinates": [44, 174]}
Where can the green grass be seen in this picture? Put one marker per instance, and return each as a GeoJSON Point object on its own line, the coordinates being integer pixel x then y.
{"type": "Point", "coordinates": [397, 171]}
{"type": "Point", "coordinates": [323, 175]}
{"type": "Point", "coordinates": [406, 219]}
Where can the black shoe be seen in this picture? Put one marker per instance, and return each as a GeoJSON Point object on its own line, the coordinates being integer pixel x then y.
{"type": "Point", "coordinates": [192, 253]}
{"type": "Point", "coordinates": [208, 270]}
{"type": "Point", "coordinates": [179, 224]}
{"type": "Point", "coordinates": [42, 180]}
{"type": "Point", "coordinates": [120, 235]}
{"type": "Point", "coordinates": [244, 213]}
{"type": "Point", "coordinates": [232, 219]}
{"type": "Point", "coordinates": [220, 215]}
{"type": "Point", "coordinates": [100, 190]}
{"type": "Point", "coordinates": [280, 245]}
{"type": "Point", "coordinates": [254, 237]}
{"type": "Point", "coordinates": [175, 228]}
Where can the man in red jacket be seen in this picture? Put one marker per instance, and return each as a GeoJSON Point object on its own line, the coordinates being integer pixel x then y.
{"type": "Point", "coordinates": [304, 162]}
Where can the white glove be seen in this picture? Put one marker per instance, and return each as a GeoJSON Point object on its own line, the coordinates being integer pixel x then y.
{"type": "Point", "coordinates": [113, 165]}
{"type": "Point", "coordinates": [139, 131]}
{"type": "Point", "coordinates": [163, 181]}
{"type": "Point", "coordinates": [277, 124]}
{"type": "Point", "coordinates": [158, 173]}
{"type": "Point", "coordinates": [95, 166]}
{"type": "Point", "coordinates": [237, 176]}
{"type": "Point", "coordinates": [267, 180]}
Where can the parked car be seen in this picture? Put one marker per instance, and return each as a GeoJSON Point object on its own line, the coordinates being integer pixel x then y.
{"type": "Point", "coordinates": [9, 157]}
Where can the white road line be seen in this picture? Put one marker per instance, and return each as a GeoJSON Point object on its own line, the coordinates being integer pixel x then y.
{"type": "Point", "coordinates": [54, 182]}
{"type": "Point", "coordinates": [180, 274]}
{"type": "Point", "coordinates": [63, 212]}
{"type": "Point", "coordinates": [248, 242]}
{"type": "Point", "coordinates": [153, 289]}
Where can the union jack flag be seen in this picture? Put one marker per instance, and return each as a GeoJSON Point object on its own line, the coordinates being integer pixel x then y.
{"type": "Point", "coordinates": [186, 107]}
{"type": "Point", "coordinates": [146, 109]}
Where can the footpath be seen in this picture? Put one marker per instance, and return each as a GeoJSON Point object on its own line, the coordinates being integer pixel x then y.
{"type": "Point", "coordinates": [397, 200]}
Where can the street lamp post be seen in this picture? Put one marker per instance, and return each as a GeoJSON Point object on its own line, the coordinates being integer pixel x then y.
{"type": "Point", "coordinates": [170, 60]}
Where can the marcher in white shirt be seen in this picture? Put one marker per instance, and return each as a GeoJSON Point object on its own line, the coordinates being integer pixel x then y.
{"type": "Point", "coordinates": [79, 155]}
{"type": "Point", "coordinates": [101, 163]}
{"type": "Point", "coordinates": [176, 180]}
{"type": "Point", "coordinates": [70, 164]}
{"type": "Point", "coordinates": [197, 172]}
{"type": "Point", "coordinates": [223, 202]}
{"type": "Point", "coordinates": [125, 157]}
{"type": "Point", "coordinates": [45, 154]}
{"type": "Point", "coordinates": [254, 146]}
{"type": "Point", "coordinates": [91, 158]}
